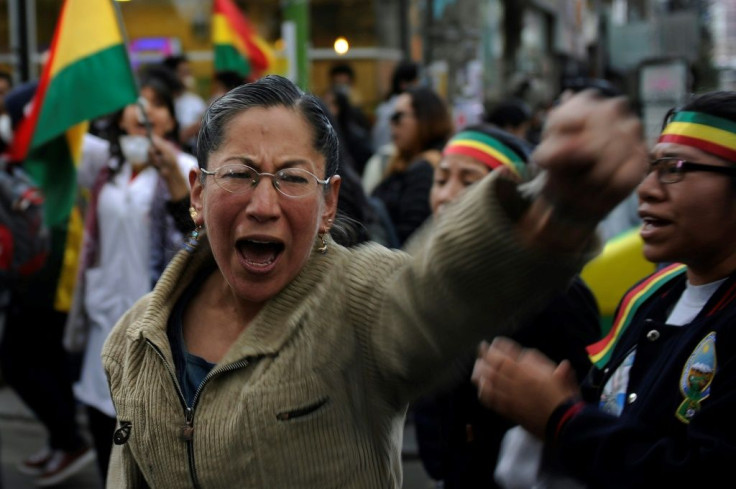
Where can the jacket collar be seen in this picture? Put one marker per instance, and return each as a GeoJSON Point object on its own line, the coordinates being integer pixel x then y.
{"type": "Point", "coordinates": [279, 319]}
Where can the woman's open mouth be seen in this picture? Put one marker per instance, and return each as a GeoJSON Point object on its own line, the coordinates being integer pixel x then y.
{"type": "Point", "coordinates": [259, 256]}
{"type": "Point", "coordinates": [650, 226]}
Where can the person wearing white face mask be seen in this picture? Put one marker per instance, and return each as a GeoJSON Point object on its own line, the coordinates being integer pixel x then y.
{"type": "Point", "coordinates": [133, 177]}
{"type": "Point", "coordinates": [188, 104]}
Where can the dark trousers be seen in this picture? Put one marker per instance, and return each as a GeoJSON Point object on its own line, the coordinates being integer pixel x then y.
{"type": "Point", "coordinates": [102, 428]}
{"type": "Point", "coordinates": [35, 364]}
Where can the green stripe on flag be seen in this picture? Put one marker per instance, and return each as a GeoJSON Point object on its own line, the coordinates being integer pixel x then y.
{"type": "Point", "coordinates": [89, 79]}
{"type": "Point", "coordinates": [227, 58]}
{"type": "Point", "coordinates": [52, 168]}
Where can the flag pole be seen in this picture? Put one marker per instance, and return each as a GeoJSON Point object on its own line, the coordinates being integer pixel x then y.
{"type": "Point", "coordinates": [140, 102]}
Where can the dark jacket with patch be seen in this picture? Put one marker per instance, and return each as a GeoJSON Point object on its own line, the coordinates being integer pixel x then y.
{"type": "Point", "coordinates": [664, 437]}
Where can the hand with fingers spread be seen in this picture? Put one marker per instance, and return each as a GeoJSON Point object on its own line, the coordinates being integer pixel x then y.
{"type": "Point", "coordinates": [522, 384]}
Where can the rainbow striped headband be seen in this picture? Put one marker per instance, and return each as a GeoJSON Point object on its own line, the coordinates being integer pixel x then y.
{"type": "Point", "coordinates": [709, 133]}
{"type": "Point", "coordinates": [486, 149]}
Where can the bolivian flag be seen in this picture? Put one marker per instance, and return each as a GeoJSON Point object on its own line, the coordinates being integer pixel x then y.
{"type": "Point", "coordinates": [87, 75]}
{"type": "Point", "coordinates": [237, 46]}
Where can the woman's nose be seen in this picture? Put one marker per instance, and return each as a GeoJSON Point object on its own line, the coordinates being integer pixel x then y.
{"type": "Point", "coordinates": [650, 187]}
{"type": "Point", "coordinates": [264, 198]}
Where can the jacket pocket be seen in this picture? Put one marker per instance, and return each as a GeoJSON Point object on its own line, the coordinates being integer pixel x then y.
{"type": "Point", "coordinates": [309, 427]}
{"type": "Point", "coordinates": [302, 411]}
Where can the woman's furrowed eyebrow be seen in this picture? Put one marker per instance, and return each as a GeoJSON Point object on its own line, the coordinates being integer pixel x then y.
{"type": "Point", "coordinates": [246, 160]}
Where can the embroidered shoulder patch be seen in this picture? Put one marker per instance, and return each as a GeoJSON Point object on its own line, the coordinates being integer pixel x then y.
{"type": "Point", "coordinates": [696, 377]}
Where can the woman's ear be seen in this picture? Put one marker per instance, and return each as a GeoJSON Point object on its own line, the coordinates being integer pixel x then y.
{"type": "Point", "coordinates": [331, 197]}
{"type": "Point", "coordinates": [195, 196]}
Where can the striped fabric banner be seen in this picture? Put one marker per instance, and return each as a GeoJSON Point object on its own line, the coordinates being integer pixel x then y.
{"type": "Point", "coordinates": [600, 352]}
{"type": "Point", "coordinates": [486, 149]}
{"type": "Point", "coordinates": [709, 133]}
{"type": "Point", "coordinates": [237, 46]}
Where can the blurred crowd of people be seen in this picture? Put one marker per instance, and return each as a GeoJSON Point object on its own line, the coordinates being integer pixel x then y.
{"type": "Point", "coordinates": [556, 404]}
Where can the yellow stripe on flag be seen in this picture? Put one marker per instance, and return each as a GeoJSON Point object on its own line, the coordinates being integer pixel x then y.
{"type": "Point", "coordinates": [75, 229]}
{"type": "Point", "coordinates": [222, 33]}
{"type": "Point", "coordinates": [266, 49]}
{"type": "Point", "coordinates": [89, 26]}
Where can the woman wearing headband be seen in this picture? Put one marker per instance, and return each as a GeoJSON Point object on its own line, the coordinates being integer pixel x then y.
{"type": "Point", "coordinates": [657, 408]}
{"type": "Point", "coordinates": [458, 438]}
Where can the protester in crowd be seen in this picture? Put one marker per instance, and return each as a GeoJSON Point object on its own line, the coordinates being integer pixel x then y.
{"type": "Point", "coordinates": [512, 115]}
{"type": "Point", "coordinates": [269, 356]}
{"type": "Point", "coordinates": [405, 75]}
{"type": "Point", "coordinates": [32, 357]}
{"type": "Point", "coordinates": [354, 136]}
{"type": "Point", "coordinates": [362, 218]}
{"type": "Point", "coordinates": [130, 176]}
{"type": "Point", "coordinates": [420, 126]}
{"type": "Point", "coordinates": [342, 78]}
{"type": "Point", "coordinates": [188, 104]}
{"type": "Point", "coordinates": [458, 438]}
{"type": "Point", "coordinates": [656, 409]}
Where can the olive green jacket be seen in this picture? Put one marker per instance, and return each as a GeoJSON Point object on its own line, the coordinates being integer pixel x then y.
{"type": "Point", "coordinates": [314, 391]}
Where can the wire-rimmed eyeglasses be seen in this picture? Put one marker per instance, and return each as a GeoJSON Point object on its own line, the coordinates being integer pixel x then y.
{"type": "Point", "coordinates": [292, 182]}
{"type": "Point", "coordinates": [672, 169]}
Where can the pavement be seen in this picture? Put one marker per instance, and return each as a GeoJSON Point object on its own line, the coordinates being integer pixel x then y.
{"type": "Point", "coordinates": [21, 435]}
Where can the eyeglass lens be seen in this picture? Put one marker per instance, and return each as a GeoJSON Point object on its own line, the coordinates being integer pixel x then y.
{"type": "Point", "coordinates": [293, 182]}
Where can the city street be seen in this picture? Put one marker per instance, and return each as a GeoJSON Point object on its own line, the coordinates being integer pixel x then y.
{"type": "Point", "coordinates": [21, 434]}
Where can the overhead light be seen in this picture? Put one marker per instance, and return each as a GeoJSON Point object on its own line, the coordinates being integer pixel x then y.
{"type": "Point", "coordinates": [341, 45]}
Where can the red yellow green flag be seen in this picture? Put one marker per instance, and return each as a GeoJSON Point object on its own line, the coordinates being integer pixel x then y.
{"type": "Point", "coordinates": [237, 45]}
{"type": "Point", "coordinates": [87, 75]}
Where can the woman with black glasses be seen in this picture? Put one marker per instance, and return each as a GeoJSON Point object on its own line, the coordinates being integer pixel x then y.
{"type": "Point", "coordinates": [657, 408]}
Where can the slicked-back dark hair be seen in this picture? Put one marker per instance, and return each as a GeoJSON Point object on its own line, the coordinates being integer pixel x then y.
{"type": "Point", "coordinates": [267, 92]}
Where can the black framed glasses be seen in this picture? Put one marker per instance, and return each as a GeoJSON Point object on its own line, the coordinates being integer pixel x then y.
{"type": "Point", "coordinates": [292, 182]}
{"type": "Point", "coordinates": [672, 169]}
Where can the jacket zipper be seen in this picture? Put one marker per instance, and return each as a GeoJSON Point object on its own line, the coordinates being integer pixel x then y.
{"type": "Point", "coordinates": [187, 431]}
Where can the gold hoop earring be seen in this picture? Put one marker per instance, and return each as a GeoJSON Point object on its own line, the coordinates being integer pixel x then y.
{"type": "Point", "coordinates": [322, 249]}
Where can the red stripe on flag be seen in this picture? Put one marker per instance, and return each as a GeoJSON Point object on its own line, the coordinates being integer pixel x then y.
{"type": "Point", "coordinates": [23, 137]}
{"type": "Point", "coordinates": [242, 27]}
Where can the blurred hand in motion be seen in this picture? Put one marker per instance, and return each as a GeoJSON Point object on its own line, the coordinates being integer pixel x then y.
{"type": "Point", "coordinates": [595, 155]}
{"type": "Point", "coordinates": [522, 384]}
